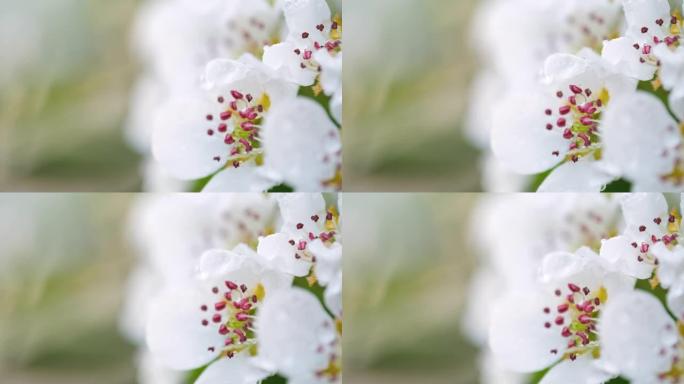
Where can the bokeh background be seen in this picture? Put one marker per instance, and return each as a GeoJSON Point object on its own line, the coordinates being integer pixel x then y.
{"type": "Point", "coordinates": [63, 266]}
{"type": "Point", "coordinates": [65, 78]}
{"type": "Point", "coordinates": [407, 269]}
{"type": "Point", "coordinates": [63, 274]}
{"type": "Point", "coordinates": [407, 73]}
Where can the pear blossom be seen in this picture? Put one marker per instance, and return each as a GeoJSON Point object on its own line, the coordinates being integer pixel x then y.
{"type": "Point", "coordinates": [556, 124]}
{"type": "Point", "coordinates": [202, 105]}
{"type": "Point", "coordinates": [309, 240]}
{"type": "Point", "coordinates": [302, 146]}
{"type": "Point", "coordinates": [311, 29]}
{"type": "Point", "coordinates": [650, 23]}
{"type": "Point", "coordinates": [557, 322]}
{"type": "Point", "coordinates": [212, 321]}
{"type": "Point", "coordinates": [550, 27]}
{"type": "Point", "coordinates": [640, 340]}
{"type": "Point", "coordinates": [172, 231]}
{"type": "Point", "coordinates": [671, 75]}
{"type": "Point", "coordinates": [669, 255]}
{"type": "Point", "coordinates": [299, 339]}
{"type": "Point", "coordinates": [643, 143]}
{"type": "Point", "coordinates": [638, 41]}
{"type": "Point", "coordinates": [647, 223]}
{"type": "Point", "coordinates": [175, 38]}
{"type": "Point", "coordinates": [331, 80]}
{"type": "Point", "coordinates": [208, 265]}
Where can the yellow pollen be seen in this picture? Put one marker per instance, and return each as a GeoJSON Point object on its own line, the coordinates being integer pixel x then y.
{"type": "Point", "coordinates": [260, 292]}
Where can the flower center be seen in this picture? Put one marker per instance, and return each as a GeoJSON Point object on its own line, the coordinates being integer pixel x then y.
{"type": "Point", "coordinates": [326, 231]}
{"type": "Point", "coordinates": [329, 39]}
{"type": "Point", "coordinates": [577, 118]}
{"type": "Point", "coordinates": [575, 318]}
{"type": "Point", "coordinates": [587, 29]}
{"type": "Point", "coordinates": [671, 29]}
{"type": "Point", "coordinates": [670, 238]}
{"type": "Point", "coordinates": [250, 34]}
{"type": "Point", "coordinates": [238, 125]}
{"type": "Point", "coordinates": [233, 313]}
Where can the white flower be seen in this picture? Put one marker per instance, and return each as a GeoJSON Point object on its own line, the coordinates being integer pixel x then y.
{"type": "Point", "coordinates": [309, 237]}
{"type": "Point", "coordinates": [311, 29]}
{"type": "Point", "coordinates": [536, 29]}
{"type": "Point", "coordinates": [302, 147]}
{"type": "Point", "coordinates": [642, 141]}
{"type": "Point", "coordinates": [218, 129]}
{"type": "Point", "coordinates": [211, 321]}
{"type": "Point", "coordinates": [528, 227]}
{"type": "Point", "coordinates": [331, 80]}
{"type": "Point", "coordinates": [299, 339]}
{"type": "Point", "coordinates": [539, 129]}
{"type": "Point", "coordinates": [533, 329]}
{"type": "Point", "coordinates": [672, 76]}
{"type": "Point", "coordinates": [171, 232]}
{"type": "Point", "coordinates": [329, 272]}
{"type": "Point", "coordinates": [176, 38]}
{"type": "Point", "coordinates": [669, 253]}
{"type": "Point", "coordinates": [151, 371]}
{"type": "Point", "coordinates": [639, 340]}
{"type": "Point", "coordinates": [649, 24]}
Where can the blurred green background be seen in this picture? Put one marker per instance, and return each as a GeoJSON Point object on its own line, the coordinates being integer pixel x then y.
{"type": "Point", "coordinates": [63, 265]}
{"type": "Point", "coordinates": [407, 67]}
{"type": "Point", "coordinates": [407, 268]}
{"type": "Point", "coordinates": [65, 78]}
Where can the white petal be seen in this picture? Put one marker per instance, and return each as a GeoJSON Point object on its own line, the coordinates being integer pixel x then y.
{"type": "Point", "coordinates": [242, 179]}
{"type": "Point", "coordinates": [582, 176]}
{"type": "Point", "coordinates": [634, 329]}
{"type": "Point", "coordinates": [301, 144]}
{"type": "Point", "coordinates": [519, 135]}
{"type": "Point", "coordinates": [562, 70]}
{"type": "Point", "coordinates": [284, 61]}
{"type": "Point", "coordinates": [671, 65]}
{"type": "Point", "coordinates": [305, 15]}
{"type": "Point", "coordinates": [517, 334]}
{"type": "Point", "coordinates": [222, 72]}
{"type": "Point", "coordinates": [639, 136]}
{"type": "Point", "coordinates": [671, 264]}
{"type": "Point", "coordinates": [675, 298]}
{"type": "Point", "coordinates": [297, 208]}
{"type": "Point", "coordinates": [640, 209]}
{"type": "Point", "coordinates": [329, 260]}
{"type": "Point", "coordinates": [331, 71]}
{"type": "Point", "coordinates": [280, 255]}
{"type": "Point", "coordinates": [644, 13]}
{"type": "Point", "coordinates": [175, 333]}
{"type": "Point", "coordinates": [676, 101]}
{"type": "Point", "coordinates": [583, 370]}
{"type": "Point", "coordinates": [237, 370]}
{"type": "Point", "coordinates": [336, 106]}
{"type": "Point", "coordinates": [621, 57]}
{"type": "Point", "coordinates": [294, 352]}
{"type": "Point", "coordinates": [333, 296]}
{"type": "Point", "coordinates": [180, 141]}
{"type": "Point", "coordinates": [619, 252]}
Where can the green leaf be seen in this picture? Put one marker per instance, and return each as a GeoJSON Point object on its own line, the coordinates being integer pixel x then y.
{"type": "Point", "coordinates": [282, 188]}
{"type": "Point", "coordinates": [198, 185]}
{"type": "Point", "coordinates": [619, 185]}
{"type": "Point", "coordinates": [195, 374]}
{"type": "Point", "coordinates": [538, 179]}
